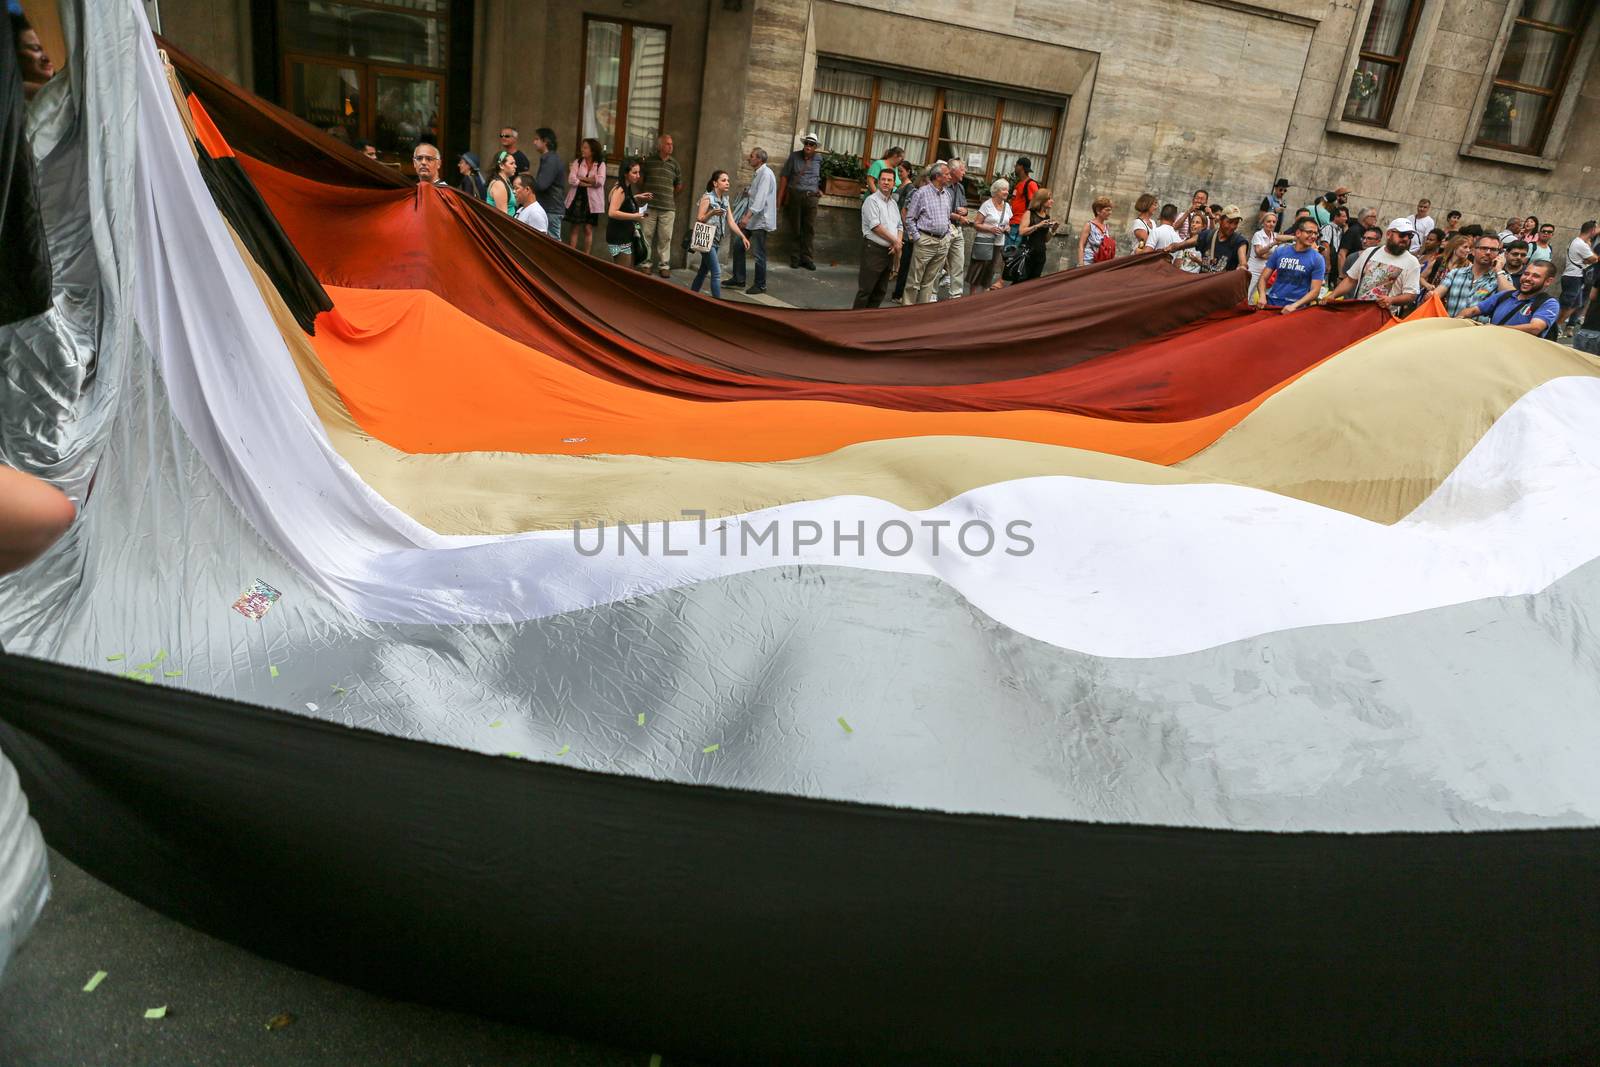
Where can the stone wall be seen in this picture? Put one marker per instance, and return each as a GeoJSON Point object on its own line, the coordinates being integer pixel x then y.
{"type": "Point", "coordinates": [216, 32]}
{"type": "Point", "coordinates": [1428, 160]}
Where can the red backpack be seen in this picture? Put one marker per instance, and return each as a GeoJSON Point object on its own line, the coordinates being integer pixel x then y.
{"type": "Point", "coordinates": [1106, 249]}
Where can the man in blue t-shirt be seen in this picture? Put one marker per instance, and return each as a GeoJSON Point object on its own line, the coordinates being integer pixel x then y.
{"type": "Point", "coordinates": [1527, 308]}
{"type": "Point", "coordinates": [1297, 270]}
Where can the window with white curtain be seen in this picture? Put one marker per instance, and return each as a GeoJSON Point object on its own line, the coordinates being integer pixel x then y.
{"type": "Point", "coordinates": [864, 114]}
{"type": "Point", "coordinates": [1527, 87]}
{"type": "Point", "coordinates": [624, 84]}
{"type": "Point", "coordinates": [1381, 62]}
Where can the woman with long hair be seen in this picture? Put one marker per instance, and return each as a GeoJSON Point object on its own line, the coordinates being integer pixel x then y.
{"type": "Point", "coordinates": [1457, 252]}
{"type": "Point", "coordinates": [714, 209]}
{"type": "Point", "coordinates": [1096, 232]}
{"type": "Point", "coordinates": [1432, 248]}
{"type": "Point", "coordinates": [994, 222]}
{"type": "Point", "coordinates": [626, 209]}
{"type": "Point", "coordinates": [498, 191]}
{"type": "Point", "coordinates": [1037, 231]}
{"type": "Point", "coordinates": [586, 191]}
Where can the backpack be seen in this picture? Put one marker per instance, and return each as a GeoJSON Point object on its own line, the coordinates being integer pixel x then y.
{"type": "Point", "coordinates": [1106, 249]}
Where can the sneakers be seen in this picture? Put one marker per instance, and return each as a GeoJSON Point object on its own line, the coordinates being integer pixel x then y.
{"type": "Point", "coordinates": [755, 290]}
{"type": "Point", "coordinates": [806, 264]}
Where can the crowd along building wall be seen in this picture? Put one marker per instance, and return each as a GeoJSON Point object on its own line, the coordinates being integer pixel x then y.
{"type": "Point", "coordinates": [1163, 96]}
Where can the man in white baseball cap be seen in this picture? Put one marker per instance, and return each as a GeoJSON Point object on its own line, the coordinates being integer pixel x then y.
{"type": "Point", "coordinates": [1387, 274]}
{"type": "Point", "coordinates": [799, 189]}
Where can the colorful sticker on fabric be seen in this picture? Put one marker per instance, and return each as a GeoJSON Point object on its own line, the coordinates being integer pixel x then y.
{"type": "Point", "coordinates": [254, 602]}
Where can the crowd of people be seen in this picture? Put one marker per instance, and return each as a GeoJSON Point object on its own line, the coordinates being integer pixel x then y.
{"type": "Point", "coordinates": [915, 244]}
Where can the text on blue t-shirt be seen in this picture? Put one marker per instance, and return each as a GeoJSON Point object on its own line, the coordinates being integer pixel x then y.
{"type": "Point", "coordinates": [1297, 272]}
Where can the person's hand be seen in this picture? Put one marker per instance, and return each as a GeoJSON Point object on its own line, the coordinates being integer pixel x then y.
{"type": "Point", "coordinates": [644, 196]}
{"type": "Point", "coordinates": [1384, 300]}
{"type": "Point", "coordinates": [746, 242]}
{"type": "Point", "coordinates": [1291, 307]}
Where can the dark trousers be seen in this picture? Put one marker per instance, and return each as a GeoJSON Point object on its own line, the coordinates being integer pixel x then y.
{"type": "Point", "coordinates": [906, 248]}
{"type": "Point", "coordinates": [758, 250]}
{"type": "Point", "coordinates": [876, 263]}
{"type": "Point", "coordinates": [800, 212]}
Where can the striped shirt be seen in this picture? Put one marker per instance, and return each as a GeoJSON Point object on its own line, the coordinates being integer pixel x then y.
{"type": "Point", "coordinates": [1462, 287]}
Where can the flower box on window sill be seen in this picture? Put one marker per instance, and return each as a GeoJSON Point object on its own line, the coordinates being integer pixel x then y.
{"type": "Point", "coordinates": [841, 187]}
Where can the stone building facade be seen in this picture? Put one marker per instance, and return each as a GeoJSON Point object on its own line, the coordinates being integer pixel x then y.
{"type": "Point", "coordinates": [1485, 106]}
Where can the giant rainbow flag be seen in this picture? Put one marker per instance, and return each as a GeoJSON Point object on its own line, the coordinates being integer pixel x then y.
{"type": "Point", "coordinates": [1095, 668]}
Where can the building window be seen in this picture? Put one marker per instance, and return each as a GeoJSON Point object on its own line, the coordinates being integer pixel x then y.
{"type": "Point", "coordinates": [1381, 61]}
{"type": "Point", "coordinates": [372, 70]}
{"type": "Point", "coordinates": [862, 114]}
{"type": "Point", "coordinates": [624, 85]}
{"type": "Point", "coordinates": [1526, 90]}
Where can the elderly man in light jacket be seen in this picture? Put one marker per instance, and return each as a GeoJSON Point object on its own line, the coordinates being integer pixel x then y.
{"type": "Point", "coordinates": [757, 218]}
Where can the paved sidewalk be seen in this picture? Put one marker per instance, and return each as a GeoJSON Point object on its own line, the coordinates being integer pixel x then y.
{"type": "Point", "coordinates": [219, 1000]}
{"type": "Point", "coordinates": [830, 286]}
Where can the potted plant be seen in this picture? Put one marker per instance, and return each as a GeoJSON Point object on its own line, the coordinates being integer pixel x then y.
{"type": "Point", "coordinates": [842, 175]}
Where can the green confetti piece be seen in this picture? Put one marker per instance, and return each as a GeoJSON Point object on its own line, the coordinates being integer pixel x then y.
{"type": "Point", "coordinates": [655, 1059]}
{"type": "Point", "coordinates": [94, 983]}
{"type": "Point", "coordinates": [564, 750]}
{"type": "Point", "coordinates": [514, 755]}
{"type": "Point", "coordinates": [145, 666]}
{"type": "Point", "coordinates": [845, 725]}
{"type": "Point", "coordinates": [710, 749]}
{"type": "Point", "coordinates": [641, 718]}
{"type": "Point", "coordinates": [159, 656]}
{"type": "Point", "coordinates": [156, 1013]}
{"type": "Point", "coordinates": [119, 655]}
{"type": "Point", "coordinates": [497, 724]}
{"type": "Point", "coordinates": [139, 676]}
{"type": "Point", "coordinates": [273, 669]}
{"type": "Point", "coordinates": [173, 674]}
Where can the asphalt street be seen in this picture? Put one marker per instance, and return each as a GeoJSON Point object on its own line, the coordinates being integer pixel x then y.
{"type": "Point", "coordinates": [227, 1007]}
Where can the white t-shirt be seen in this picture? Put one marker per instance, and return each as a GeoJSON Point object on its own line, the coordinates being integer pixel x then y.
{"type": "Point", "coordinates": [535, 216]}
{"type": "Point", "coordinates": [994, 216]}
{"type": "Point", "coordinates": [1539, 253]}
{"type": "Point", "coordinates": [1577, 252]}
{"type": "Point", "coordinates": [1139, 224]}
{"type": "Point", "coordinates": [1421, 227]}
{"type": "Point", "coordinates": [1257, 264]}
{"type": "Point", "coordinates": [1164, 237]}
{"type": "Point", "coordinates": [1379, 271]}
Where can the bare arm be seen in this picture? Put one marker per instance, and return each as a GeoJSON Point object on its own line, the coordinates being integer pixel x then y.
{"type": "Point", "coordinates": [33, 515]}
{"type": "Point", "coordinates": [614, 209]}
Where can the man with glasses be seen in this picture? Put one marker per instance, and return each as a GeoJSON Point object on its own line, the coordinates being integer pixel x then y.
{"type": "Point", "coordinates": [1478, 280]}
{"type": "Point", "coordinates": [508, 143]}
{"type": "Point", "coordinates": [425, 157]}
{"type": "Point", "coordinates": [1297, 270]}
{"type": "Point", "coordinates": [1540, 251]}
